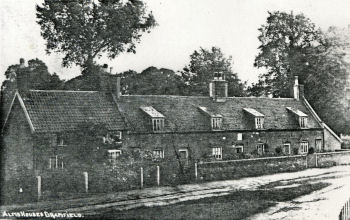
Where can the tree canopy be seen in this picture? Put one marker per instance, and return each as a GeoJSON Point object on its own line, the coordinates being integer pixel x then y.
{"type": "Point", "coordinates": [291, 45]}
{"type": "Point", "coordinates": [286, 42]}
{"type": "Point", "coordinates": [83, 30]}
{"type": "Point", "coordinates": [203, 64]}
{"type": "Point", "coordinates": [152, 81]}
{"type": "Point", "coordinates": [39, 77]}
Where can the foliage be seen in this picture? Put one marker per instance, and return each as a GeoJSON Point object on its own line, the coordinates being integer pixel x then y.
{"type": "Point", "coordinates": [152, 81]}
{"type": "Point", "coordinates": [286, 41]}
{"type": "Point", "coordinates": [291, 45]}
{"type": "Point", "coordinates": [38, 78]}
{"type": "Point", "coordinates": [83, 30]}
{"type": "Point", "coordinates": [200, 71]}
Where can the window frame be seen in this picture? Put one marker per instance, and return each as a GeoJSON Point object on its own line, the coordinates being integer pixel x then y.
{"type": "Point", "coordinates": [239, 136]}
{"type": "Point", "coordinates": [184, 150]}
{"type": "Point", "coordinates": [304, 145]}
{"type": "Point", "coordinates": [239, 146]}
{"type": "Point", "coordinates": [158, 155]}
{"type": "Point", "coordinates": [113, 151]}
{"type": "Point", "coordinates": [303, 122]}
{"type": "Point", "coordinates": [54, 162]}
{"type": "Point", "coordinates": [217, 153]}
{"type": "Point", "coordinates": [216, 123]}
{"type": "Point", "coordinates": [157, 124]}
{"type": "Point", "coordinates": [262, 146]}
{"type": "Point", "coordinates": [289, 147]}
{"type": "Point", "coordinates": [259, 122]}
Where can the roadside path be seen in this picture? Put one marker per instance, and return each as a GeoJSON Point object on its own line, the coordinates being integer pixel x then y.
{"type": "Point", "coordinates": [324, 204]}
{"type": "Point", "coordinates": [169, 195]}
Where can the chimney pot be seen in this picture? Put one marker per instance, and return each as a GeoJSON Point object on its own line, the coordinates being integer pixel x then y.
{"type": "Point", "coordinates": [21, 63]}
{"type": "Point", "coordinates": [105, 67]}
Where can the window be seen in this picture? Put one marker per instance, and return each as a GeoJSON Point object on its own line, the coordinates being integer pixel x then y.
{"type": "Point", "coordinates": [56, 162]}
{"type": "Point", "coordinates": [286, 148]}
{"type": "Point", "coordinates": [303, 122]}
{"type": "Point", "coordinates": [304, 145]}
{"type": "Point", "coordinates": [158, 153]}
{"type": "Point", "coordinates": [259, 123]}
{"type": "Point", "coordinates": [239, 149]}
{"type": "Point", "coordinates": [113, 155]}
{"type": "Point", "coordinates": [183, 153]}
{"type": "Point", "coordinates": [239, 137]}
{"type": "Point", "coordinates": [217, 153]}
{"type": "Point", "coordinates": [157, 124]}
{"type": "Point", "coordinates": [112, 138]}
{"type": "Point", "coordinates": [216, 123]}
{"type": "Point", "coordinates": [260, 148]}
{"type": "Point", "coordinates": [60, 142]}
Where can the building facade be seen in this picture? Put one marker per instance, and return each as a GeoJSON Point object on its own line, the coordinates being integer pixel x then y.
{"type": "Point", "coordinates": [191, 128]}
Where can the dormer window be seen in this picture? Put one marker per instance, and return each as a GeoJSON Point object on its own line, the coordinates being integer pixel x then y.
{"type": "Point", "coordinates": [156, 118]}
{"type": "Point", "coordinates": [259, 122]}
{"type": "Point", "coordinates": [258, 117]}
{"type": "Point", "coordinates": [301, 116]}
{"type": "Point", "coordinates": [112, 138]}
{"type": "Point", "coordinates": [158, 124]}
{"type": "Point", "coordinates": [303, 122]}
{"type": "Point", "coordinates": [215, 119]}
{"type": "Point", "coordinates": [219, 76]}
{"type": "Point", "coordinates": [216, 123]}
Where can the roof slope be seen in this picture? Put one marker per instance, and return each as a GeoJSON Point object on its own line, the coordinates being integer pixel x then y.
{"type": "Point", "coordinates": [56, 111]}
{"type": "Point", "coordinates": [182, 113]}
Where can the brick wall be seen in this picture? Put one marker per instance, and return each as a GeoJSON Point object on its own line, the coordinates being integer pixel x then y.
{"type": "Point", "coordinates": [17, 152]}
{"type": "Point", "coordinates": [200, 144]}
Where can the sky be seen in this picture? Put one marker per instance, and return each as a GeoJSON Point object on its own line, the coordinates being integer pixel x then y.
{"type": "Point", "coordinates": [183, 26]}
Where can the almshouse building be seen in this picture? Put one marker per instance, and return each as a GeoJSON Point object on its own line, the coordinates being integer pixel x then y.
{"type": "Point", "coordinates": [189, 127]}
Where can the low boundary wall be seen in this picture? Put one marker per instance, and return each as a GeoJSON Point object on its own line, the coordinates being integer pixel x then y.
{"type": "Point", "coordinates": [333, 158]}
{"type": "Point", "coordinates": [233, 169]}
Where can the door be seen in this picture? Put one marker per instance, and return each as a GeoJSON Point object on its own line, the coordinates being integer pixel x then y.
{"type": "Point", "coordinates": [183, 155]}
{"type": "Point", "coordinates": [318, 144]}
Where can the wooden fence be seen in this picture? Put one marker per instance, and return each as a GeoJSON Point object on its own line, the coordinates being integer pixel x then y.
{"type": "Point", "coordinates": [345, 211]}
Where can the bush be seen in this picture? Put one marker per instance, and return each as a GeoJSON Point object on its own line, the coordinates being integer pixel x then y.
{"type": "Point", "coordinates": [295, 151]}
{"type": "Point", "coordinates": [19, 189]}
{"type": "Point", "coordinates": [278, 150]}
{"type": "Point", "coordinates": [311, 150]}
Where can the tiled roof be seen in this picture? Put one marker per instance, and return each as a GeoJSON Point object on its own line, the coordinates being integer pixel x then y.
{"type": "Point", "coordinates": [297, 112]}
{"type": "Point", "coordinates": [56, 111]}
{"type": "Point", "coordinates": [253, 112]}
{"type": "Point", "coordinates": [150, 111]}
{"type": "Point", "coordinates": [182, 113]}
{"type": "Point", "coordinates": [210, 114]}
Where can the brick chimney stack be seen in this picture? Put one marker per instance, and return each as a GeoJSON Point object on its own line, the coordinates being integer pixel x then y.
{"type": "Point", "coordinates": [298, 89]}
{"type": "Point", "coordinates": [23, 79]}
{"type": "Point", "coordinates": [218, 87]}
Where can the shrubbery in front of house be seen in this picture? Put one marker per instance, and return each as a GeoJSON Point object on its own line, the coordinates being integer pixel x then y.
{"type": "Point", "coordinates": [21, 188]}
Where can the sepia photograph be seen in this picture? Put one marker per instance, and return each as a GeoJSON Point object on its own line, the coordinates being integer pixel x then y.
{"type": "Point", "coordinates": [186, 109]}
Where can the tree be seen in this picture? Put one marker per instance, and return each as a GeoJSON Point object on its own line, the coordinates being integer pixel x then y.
{"type": "Point", "coordinates": [152, 81]}
{"type": "Point", "coordinates": [39, 78]}
{"type": "Point", "coordinates": [200, 71]}
{"type": "Point", "coordinates": [291, 45]}
{"type": "Point", "coordinates": [287, 40]}
{"type": "Point", "coordinates": [85, 29]}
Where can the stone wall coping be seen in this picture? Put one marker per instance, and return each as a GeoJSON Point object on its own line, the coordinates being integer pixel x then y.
{"type": "Point", "coordinates": [339, 152]}
{"type": "Point", "coordinates": [252, 159]}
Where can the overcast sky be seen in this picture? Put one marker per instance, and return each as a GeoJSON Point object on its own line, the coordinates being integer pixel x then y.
{"type": "Point", "coordinates": [184, 25]}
